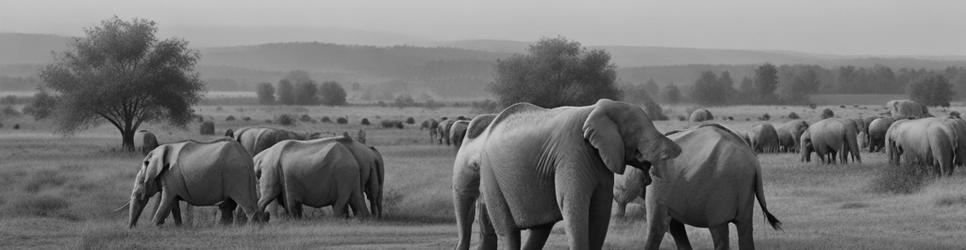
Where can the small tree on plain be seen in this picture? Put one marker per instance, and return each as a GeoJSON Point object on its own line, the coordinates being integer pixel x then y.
{"type": "Point", "coordinates": [766, 81]}
{"type": "Point", "coordinates": [332, 93]}
{"type": "Point", "coordinates": [120, 72]}
{"type": "Point", "coordinates": [931, 90]}
{"type": "Point", "coordinates": [555, 72]}
{"type": "Point", "coordinates": [286, 92]}
{"type": "Point", "coordinates": [266, 93]}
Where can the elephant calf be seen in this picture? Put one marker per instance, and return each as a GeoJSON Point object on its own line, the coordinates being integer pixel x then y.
{"type": "Point", "coordinates": [199, 173]}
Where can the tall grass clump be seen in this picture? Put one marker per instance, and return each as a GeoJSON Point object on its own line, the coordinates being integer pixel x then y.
{"type": "Point", "coordinates": [902, 179]}
{"type": "Point", "coordinates": [39, 205]}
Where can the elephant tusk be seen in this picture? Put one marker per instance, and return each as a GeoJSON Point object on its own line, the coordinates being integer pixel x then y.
{"type": "Point", "coordinates": [122, 207]}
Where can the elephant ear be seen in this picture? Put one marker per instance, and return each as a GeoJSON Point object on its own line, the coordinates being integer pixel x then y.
{"type": "Point", "coordinates": [602, 132]}
{"type": "Point", "coordinates": [157, 164]}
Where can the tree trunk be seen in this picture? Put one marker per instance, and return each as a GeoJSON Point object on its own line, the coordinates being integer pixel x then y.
{"type": "Point", "coordinates": [127, 139]}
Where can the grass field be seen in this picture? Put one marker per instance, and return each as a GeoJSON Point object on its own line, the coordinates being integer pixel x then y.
{"type": "Point", "coordinates": [59, 192]}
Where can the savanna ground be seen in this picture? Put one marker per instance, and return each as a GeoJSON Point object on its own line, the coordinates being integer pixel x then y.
{"type": "Point", "coordinates": [60, 192]}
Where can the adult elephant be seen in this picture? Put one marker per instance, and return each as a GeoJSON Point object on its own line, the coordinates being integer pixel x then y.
{"type": "Point", "coordinates": [789, 134]}
{"type": "Point", "coordinates": [713, 183]}
{"type": "Point", "coordinates": [256, 139]}
{"type": "Point", "coordinates": [315, 173]}
{"type": "Point", "coordinates": [145, 141]}
{"type": "Point", "coordinates": [877, 133]}
{"type": "Point", "coordinates": [198, 173]}
{"type": "Point", "coordinates": [904, 109]}
{"type": "Point", "coordinates": [927, 141]}
{"type": "Point", "coordinates": [432, 125]}
{"type": "Point", "coordinates": [457, 131]}
{"type": "Point", "coordinates": [830, 138]}
{"type": "Point", "coordinates": [443, 131]}
{"type": "Point", "coordinates": [466, 189]}
{"type": "Point", "coordinates": [371, 170]}
{"type": "Point", "coordinates": [959, 140]}
{"type": "Point", "coordinates": [539, 166]}
{"type": "Point", "coordinates": [701, 115]}
{"type": "Point", "coordinates": [763, 138]}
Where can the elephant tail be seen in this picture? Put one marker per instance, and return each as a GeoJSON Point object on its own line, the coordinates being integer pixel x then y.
{"type": "Point", "coordinates": [760, 194]}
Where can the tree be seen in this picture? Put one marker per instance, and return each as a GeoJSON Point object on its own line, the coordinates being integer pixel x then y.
{"type": "Point", "coordinates": [672, 94]}
{"type": "Point", "coordinates": [306, 93]}
{"type": "Point", "coordinates": [652, 87]}
{"type": "Point", "coordinates": [42, 105]}
{"type": "Point", "coordinates": [120, 72]}
{"type": "Point", "coordinates": [766, 81]}
{"type": "Point", "coordinates": [931, 90]}
{"type": "Point", "coordinates": [747, 87]}
{"type": "Point", "coordinates": [266, 93]}
{"type": "Point", "coordinates": [332, 93]}
{"type": "Point", "coordinates": [802, 85]}
{"type": "Point", "coordinates": [286, 92]}
{"type": "Point", "coordinates": [726, 85]}
{"type": "Point", "coordinates": [707, 90]}
{"type": "Point", "coordinates": [555, 72]}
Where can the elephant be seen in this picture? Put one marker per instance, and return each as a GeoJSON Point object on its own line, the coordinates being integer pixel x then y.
{"type": "Point", "coordinates": [198, 173]}
{"type": "Point", "coordinates": [315, 173]}
{"type": "Point", "coordinates": [443, 131]}
{"type": "Point", "coordinates": [466, 188]}
{"type": "Point", "coordinates": [763, 138]}
{"type": "Point", "coordinates": [959, 140]}
{"type": "Point", "coordinates": [830, 138]}
{"type": "Point", "coordinates": [539, 166]}
{"type": "Point", "coordinates": [714, 182]}
{"type": "Point", "coordinates": [789, 134]}
{"type": "Point", "coordinates": [145, 141]}
{"type": "Point", "coordinates": [701, 115]}
{"type": "Point", "coordinates": [877, 133]}
{"type": "Point", "coordinates": [902, 109]}
{"type": "Point", "coordinates": [257, 139]}
{"type": "Point", "coordinates": [927, 141]}
{"type": "Point", "coordinates": [372, 169]}
{"type": "Point", "coordinates": [456, 132]}
{"type": "Point", "coordinates": [628, 187]}
{"type": "Point", "coordinates": [433, 126]}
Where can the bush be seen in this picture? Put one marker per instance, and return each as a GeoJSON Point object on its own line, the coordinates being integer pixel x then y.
{"type": "Point", "coordinates": [305, 118]}
{"type": "Point", "coordinates": [16, 126]}
{"type": "Point", "coordinates": [793, 115]}
{"type": "Point", "coordinates": [902, 179]}
{"type": "Point", "coordinates": [207, 128]}
{"type": "Point", "coordinates": [246, 118]}
{"type": "Point", "coordinates": [285, 120]}
{"type": "Point", "coordinates": [269, 121]}
{"type": "Point", "coordinates": [39, 205]}
{"type": "Point", "coordinates": [827, 113]}
{"type": "Point", "coordinates": [410, 120]}
{"type": "Point", "coordinates": [812, 105]}
{"type": "Point", "coordinates": [230, 118]}
{"type": "Point", "coordinates": [365, 121]}
{"type": "Point", "coordinates": [765, 117]}
{"type": "Point", "coordinates": [682, 118]}
{"type": "Point", "coordinates": [341, 120]}
{"type": "Point", "coordinates": [842, 106]}
{"type": "Point", "coordinates": [399, 125]}
{"type": "Point", "coordinates": [731, 118]}
{"type": "Point", "coordinates": [325, 119]}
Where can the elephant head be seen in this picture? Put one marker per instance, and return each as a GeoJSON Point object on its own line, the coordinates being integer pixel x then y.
{"type": "Point", "coordinates": [806, 146]}
{"type": "Point", "coordinates": [147, 182]}
{"type": "Point", "coordinates": [623, 134]}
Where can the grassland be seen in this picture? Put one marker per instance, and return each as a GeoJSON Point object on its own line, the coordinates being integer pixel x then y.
{"type": "Point", "coordinates": [59, 192]}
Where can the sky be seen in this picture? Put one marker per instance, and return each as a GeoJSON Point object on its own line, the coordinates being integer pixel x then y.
{"type": "Point", "coordinates": [856, 27]}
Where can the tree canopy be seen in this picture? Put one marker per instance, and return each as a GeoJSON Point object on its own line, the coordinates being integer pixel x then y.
{"type": "Point", "coordinates": [120, 72]}
{"type": "Point", "coordinates": [332, 93]}
{"type": "Point", "coordinates": [931, 90]}
{"type": "Point", "coordinates": [555, 72]}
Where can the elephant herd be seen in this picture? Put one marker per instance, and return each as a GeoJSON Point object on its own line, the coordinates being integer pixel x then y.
{"type": "Point", "coordinates": [254, 168]}
{"type": "Point", "coordinates": [448, 131]}
{"type": "Point", "coordinates": [529, 167]}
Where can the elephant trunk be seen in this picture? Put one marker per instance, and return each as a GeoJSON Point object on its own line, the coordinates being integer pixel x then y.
{"type": "Point", "coordinates": [136, 207]}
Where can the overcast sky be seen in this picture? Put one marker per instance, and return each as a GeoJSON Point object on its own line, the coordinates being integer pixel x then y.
{"type": "Point", "coordinates": [867, 27]}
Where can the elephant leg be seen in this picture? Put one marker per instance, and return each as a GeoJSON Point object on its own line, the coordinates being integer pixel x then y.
{"type": "Point", "coordinates": [294, 209]}
{"type": "Point", "coordinates": [657, 224]}
{"type": "Point", "coordinates": [680, 235]}
{"type": "Point", "coordinates": [537, 236]}
{"type": "Point", "coordinates": [176, 212]}
{"type": "Point", "coordinates": [227, 208]}
{"type": "Point", "coordinates": [575, 211]}
{"type": "Point", "coordinates": [488, 237]}
{"type": "Point", "coordinates": [719, 235]}
{"type": "Point", "coordinates": [357, 202]}
{"type": "Point", "coordinates": [247, 209]}
{"type": "Point", "coordinates": [463, 205]}
{"type": "Point", "coordinates": [341, 206]}
{"type": "Point", "coordinates": [189, 215]}
{"type": "Point", "coordinates": [167, 201]}
{"type": "Point", "coordinates": [499, 213]}
{"type": "Point", "coordinates": [746, 237]}
{"type": "Point", "coordinates": [600, 207]}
